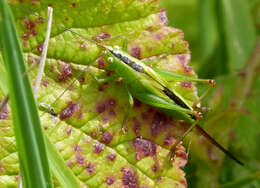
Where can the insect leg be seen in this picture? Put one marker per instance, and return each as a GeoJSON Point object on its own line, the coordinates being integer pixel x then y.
{"type": "Point", "coordinates": [104, 79]}
{"type": "Point", "coordinates": [174, 77]}
{"type": "Point", "coordinates": [172, 151]}
{"type": "Point", "coordinates": [131, 103]}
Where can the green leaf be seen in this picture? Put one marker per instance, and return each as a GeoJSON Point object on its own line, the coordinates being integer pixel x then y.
{"type": "Point", "coordinates": [87, 131]}
{"type": "Point", "coordinates": [27, 127]}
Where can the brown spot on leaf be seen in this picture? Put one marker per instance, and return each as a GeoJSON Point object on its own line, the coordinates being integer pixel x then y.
{"type": "Point", "coordinates": [110, 180]}
{"type": "Point", "coordinates": [40, 47]}
{"type": "Point", "coordinates": [4, 112]}
{"type": "Point", "coordinates": [103, 36]}
{"type": "Point", "coordinates": [187, 69]}
{"type": "Point", "coordinates": [111, 157]}
{"type": "Point", "coordinates": [101, 63]}
{"type": "Point", "coordinates": [101, 107]}
{"type": "Point", "coordinates": [70, 110]}
{"type": "Point", "coordinates": [69, 164]}
{"type": "Point", "coordinates": [186, 84]}
{"type": "Point", "coordinates": [137, 126]}
{"type": "Point", "coordinates": [45, 83]}
{"type": "Point", "coordinates": [80, 159]}
{"type": "Point", "coordinates": [106, 137]}
{"type": "Point", "coordinates": [83, 46]}
{"type": "Point", "coordinates": [73, 5]}
{"type": "Point", "coordinates": [98, 147]}
{"type": "Point", "coordinates": [159, 123]}
{"type": "Point", "coordinates": [168, 140]}
{"type": "Point", "coordinates": [144, 148]}
{"type": "Point", "coordinates": [137, 103]}
{"type": "Point", "coordinates": [111, 102]}
{"type": "Point", "coordinates": [154, 168]}
{"type": "Point", "coordinates": [90, 168]}
{"type": "Point", "coordinates": [68, 131]}
{"type": "Point", "coordinates": [129, 179]}
{"type": "Point", "coordinates": [76, 148]}
{"type": "Point", "coordinates": [163, 18]}
{"type": "Point", "coordinates": [182, 157]}
{"type": "Point", "coordinates": [136, 52]}
{"type": "Point", "coordinates": [65, 72]}
{"type": "Point", "coordinates": [25, 36]}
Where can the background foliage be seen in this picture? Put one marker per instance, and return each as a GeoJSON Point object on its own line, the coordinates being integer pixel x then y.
{"type": "Point", "coordinates": [222, 35]}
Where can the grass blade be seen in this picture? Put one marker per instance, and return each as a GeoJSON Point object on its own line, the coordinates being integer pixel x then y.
{"type": "Point", "coordinates": [28, 132]}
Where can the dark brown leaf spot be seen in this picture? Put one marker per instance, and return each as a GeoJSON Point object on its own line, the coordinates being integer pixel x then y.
{"type": "Point", "coordinates": [4, 111]}
{"type": "Point", "coordinates": [90, 168]}
{"type": "Point", "coordinates": [45, 83]}
{"type": "Point", "coordinates": [65, 72]}
{"type": "Point", "coordinates": [163, 18]}
{"type": "Point", "coordinates": [137, 103]}
{"type": "Point", "coordinates": [101, 64]}
{"type": "Point", "coordinates": [136, 52]}
{"type": "Point", "coordinates": [80, 159]}
{"type": "Point", "coordinates": [186, 84]}
{"type": "Point", "coordinates": [144, 148]}
{"type": "Point", "coordinates": [76, 148]}
{"type": "Point", "coordinates": [106, 137]}
{"type": "Point", "coordinates": [103, 36]}
{"type": "Point", "coordinates": [111, 102]}
{"type": "Point", "coordinates": [159, 123]}
{"type": "Point", "coordinates": [129, 179]}
{"type": "Point", "coordinates": [168, 140]}
{"type": "Point", "coordinates": [111, 157]}
{"type": "Point", "coordinates": [137, 126]}
{"type": "Point", "coordinates": [69, 164]}
{"type": "Point", "coordinates": [70, 110]}
{"type": "Point", "coordinates": [98, 147]}
{"type": "Point", "coordinates": [101, 107]}
{"type": "Point", "coordinates": [40, 47]}
{"type": "Point", "coordinates": [110, 180]}
{"type": "Point", "coordinates": [154, 168]}
{"type": "Point", "coordinates": [83, 46]}
{"type": "Point", "coordinates": [68, 131]}
{"type": "Point", "coordinates": [25, 36]}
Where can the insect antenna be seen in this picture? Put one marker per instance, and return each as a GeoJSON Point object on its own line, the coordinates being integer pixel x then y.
{"type": "Point", "coordinates": [215, 143]}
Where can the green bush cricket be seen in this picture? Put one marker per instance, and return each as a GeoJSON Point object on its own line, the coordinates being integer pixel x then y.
{"type": "Point", "coordinates": [151, 87]}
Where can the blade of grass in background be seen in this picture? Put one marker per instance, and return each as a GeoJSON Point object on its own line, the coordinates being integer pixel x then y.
{"type": "Point", "coordinates": [240, 34]}
{"type": "Point", "coordinates": [28, 132]}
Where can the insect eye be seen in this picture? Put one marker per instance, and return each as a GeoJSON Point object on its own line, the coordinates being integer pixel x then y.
{"type": "Point", "coordinates": [110, 59]}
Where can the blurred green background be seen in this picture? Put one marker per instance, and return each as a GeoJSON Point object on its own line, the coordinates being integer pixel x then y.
{"type": "Point", "coordinates": [224, 38]}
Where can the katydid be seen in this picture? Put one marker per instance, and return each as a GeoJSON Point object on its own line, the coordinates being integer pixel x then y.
{"type": "Point", "coordinates": [151, 86]}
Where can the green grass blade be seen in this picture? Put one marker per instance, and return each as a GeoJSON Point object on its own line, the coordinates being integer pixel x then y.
{"type": "Point", "coordinates": [29, 137]}
{"type": "Point", "coordinates": [61, 171]}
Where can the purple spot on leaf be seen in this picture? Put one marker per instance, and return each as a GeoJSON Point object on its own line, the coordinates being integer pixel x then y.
{"type": "Point", "coordinates": [66, 72]}
{"type": "Point", "coordinates": [163, 18]}
{"type": "Point", "coordinates": [106, 137]}
{"type": "Point", "coordinates": [110, 180]}
{"type": "Point", "coordinates": [136, 52]}
{"type": "Point", "coordinates": [111, 157]}
{"type": "Point", "coordinates": [186, 84]}
{"type": "Point", "coordinates": [80, 159]}
{"type": "Point", "coordinates": [90, 168]}
{"type": "Point", "coordinates": [144, 148]}
{"type": "Point", "coordinates": [69, 110]}
{"type": "Point", "coordinates": [129, 179]}
{"type": "Point", "coordinates": [98, 147]}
